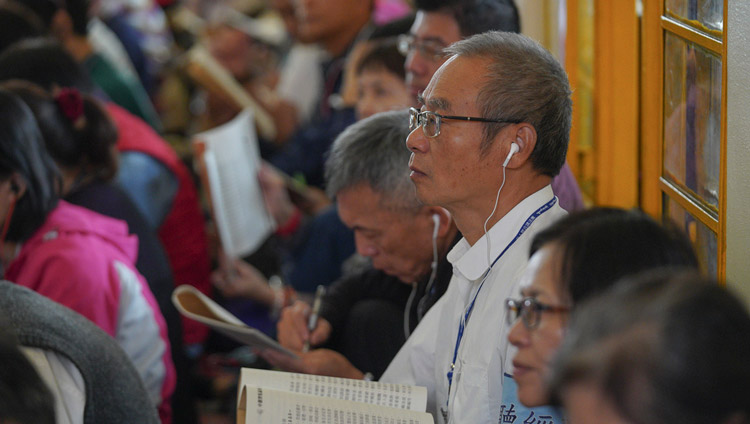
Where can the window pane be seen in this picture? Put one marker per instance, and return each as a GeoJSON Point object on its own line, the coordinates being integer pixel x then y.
{"type": "Point", "coordinates": [703, 239]}
{"type": "Point", "coordinates": [692, 118]}
{"type": "Point", "coordinates": [705, 15]}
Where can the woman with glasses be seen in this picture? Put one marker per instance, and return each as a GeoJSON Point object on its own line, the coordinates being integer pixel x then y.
{"type": "Point", "coordinates": [576, 258]}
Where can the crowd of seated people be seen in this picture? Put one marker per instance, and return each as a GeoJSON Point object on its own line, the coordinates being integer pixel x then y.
{"type": "Point", "coordinates": [413, 160]}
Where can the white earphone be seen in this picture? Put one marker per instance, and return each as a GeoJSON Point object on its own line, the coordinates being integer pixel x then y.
{"type": "Point", "coordinates": [436, 225]}
{"type": "Point", "coordinates": [513, 150]}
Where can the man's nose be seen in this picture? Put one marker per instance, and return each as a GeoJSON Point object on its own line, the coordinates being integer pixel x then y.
{"type": "Point", "coordinates": [417, 142]}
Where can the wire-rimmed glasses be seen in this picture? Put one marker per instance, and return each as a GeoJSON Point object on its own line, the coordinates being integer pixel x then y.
{"type": "Point", "coordinates": [429, 49]}
{"type": "Point", "coordinates": [430, 121]}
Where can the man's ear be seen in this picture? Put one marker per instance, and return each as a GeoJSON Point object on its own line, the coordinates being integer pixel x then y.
{"type": "Point", "coordinates": [525, 137]}
{"type": "Point", "coordinates": [444, 219]}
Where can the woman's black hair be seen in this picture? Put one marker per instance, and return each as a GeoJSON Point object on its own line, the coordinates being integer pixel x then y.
{"type": "Point", "coordinates": [662, 347]}
{"type": "Point", "coordinates": [383, 54]}
{"type": "Point", "coordinates": [46, 63]}
{"type": "Point", "coordinates": [601, 245]}
{"type": "Point", "coordinates": [22, 152]}
{"type": "Point", "coordinates": [87, 145]}
{"type": "Point", "coordinates": [17, 23]}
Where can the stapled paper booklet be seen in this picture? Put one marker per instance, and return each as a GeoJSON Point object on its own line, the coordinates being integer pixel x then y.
{"type": "Point", "coordinates": [195, 305]}
{"type": "Point", "coordinates": [282, 397]}
{"type": "Point", "coordinates": [229, 161]}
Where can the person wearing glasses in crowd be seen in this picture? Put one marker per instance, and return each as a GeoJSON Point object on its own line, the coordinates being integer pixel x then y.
{"type": "Point", "coordinates": [440, 23]}
{"type": "Point", "coordinates": [663, 348]}
{"type": "Point", "coordinates": [576, 258]}
{"type": "Point", "coordinates": [492, 133]}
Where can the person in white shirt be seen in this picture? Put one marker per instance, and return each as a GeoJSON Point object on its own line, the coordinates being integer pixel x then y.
{"type": "Point", "coordinates": [492, 133]}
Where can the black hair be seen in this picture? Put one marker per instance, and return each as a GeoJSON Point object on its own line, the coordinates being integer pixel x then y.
{"type": "Point", "coordinates": [17, 23]}
{"type": "Point", "coordinates": [24, 398]}
{"type": "Point", "coordinates": [383, 54]}
{"type": "Point", "coordinates": [45, 63]}
{"type": "Point", "coordinates": [393, 28]}
{"type": "Point", "coordinates": [87, 145]}
{"type": "Point", "coordinates": [22, 152]}
{"type": "Point", "coordinates": [46, 9]}
{"type": "Point", "coordinates": [476, 16]}
{"type": "Point", "coordinates": [662, 347]}
{"type": "Point", "coordinates": [601, 245]}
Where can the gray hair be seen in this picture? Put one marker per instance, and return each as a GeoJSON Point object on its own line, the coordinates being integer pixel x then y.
{"type": "Point", "coordinates": [523, 83]}
{"type": "Point", "coordinates": [373, 152]}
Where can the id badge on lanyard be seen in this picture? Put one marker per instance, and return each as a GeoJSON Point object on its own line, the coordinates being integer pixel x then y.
{"type": "Point", "coordinates": [444, 410]}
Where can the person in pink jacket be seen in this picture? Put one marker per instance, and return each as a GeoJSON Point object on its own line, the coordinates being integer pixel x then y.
{"type": "Point", "coordinates": [74, 256]}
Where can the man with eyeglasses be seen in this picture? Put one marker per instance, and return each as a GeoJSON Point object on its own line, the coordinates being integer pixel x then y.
{"type": "Point", "coordinates": [440, 23]}
{"type": "Point", "coordinates": [490, 136]}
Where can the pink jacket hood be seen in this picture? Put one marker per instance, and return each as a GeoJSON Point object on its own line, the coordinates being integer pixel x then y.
{"type": "Point", "coordinates": [70, 219]}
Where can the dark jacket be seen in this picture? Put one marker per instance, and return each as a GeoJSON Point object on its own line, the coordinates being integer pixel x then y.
{"type": "Point", "coordinates": [366, 312]}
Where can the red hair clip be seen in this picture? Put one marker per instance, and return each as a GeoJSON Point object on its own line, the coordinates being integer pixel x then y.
{"type": "Point", "coordinates": [70, 102]}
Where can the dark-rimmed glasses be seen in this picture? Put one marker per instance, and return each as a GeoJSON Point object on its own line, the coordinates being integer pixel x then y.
{"type": "Point", "coordinates": [430, 121]}
{"type": "Point", "coordinates": [529, 310]}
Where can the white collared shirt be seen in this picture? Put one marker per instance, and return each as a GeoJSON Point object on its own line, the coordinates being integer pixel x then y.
{"type": "Point", "coordinates": [483, 354]}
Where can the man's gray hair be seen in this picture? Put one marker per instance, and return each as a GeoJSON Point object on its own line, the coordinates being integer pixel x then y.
{"type": "Point", "coordinates": [373, 152]}
{"type": "Point", "coordinates": [523, 83]}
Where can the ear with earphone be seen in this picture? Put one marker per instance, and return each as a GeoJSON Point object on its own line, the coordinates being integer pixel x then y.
{"type": "Point", "coordinates": [513, 150]}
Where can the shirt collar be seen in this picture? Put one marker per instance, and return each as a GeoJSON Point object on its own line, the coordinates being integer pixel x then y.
{"type": "Point", "coordinates": [471, 261]}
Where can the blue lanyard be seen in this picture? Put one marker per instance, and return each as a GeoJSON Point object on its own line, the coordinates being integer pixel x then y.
{"type": "Point", "coordinates": [465, 318]}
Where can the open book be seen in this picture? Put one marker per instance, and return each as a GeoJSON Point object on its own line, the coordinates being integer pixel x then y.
{"type": "Point", "coordinates": [282, 397]}
{"type": "Point", "coordinates": [229, 161]}
{"type": "Point", "coordinates": [195, 305]}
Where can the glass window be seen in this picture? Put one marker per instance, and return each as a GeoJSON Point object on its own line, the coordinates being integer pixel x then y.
{"type": "Point", "coordinates": [705, 15]}
{"type": "Point", "coordinates": [703, 239]}
{"type": "Point", "coordinates": [692, 118]}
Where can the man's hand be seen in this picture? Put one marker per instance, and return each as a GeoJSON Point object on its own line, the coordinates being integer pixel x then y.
{"type": "Point", "coordinates": [236, 278]}
{"type": "Point", "coordinates": [292, 328]}
{"type": "Point", "coordinates": [318, 362]}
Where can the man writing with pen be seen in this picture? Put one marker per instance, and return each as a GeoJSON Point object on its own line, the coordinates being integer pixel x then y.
{"type": "Point", "coordinates": [312, 321]}
{"type": "Point", "coordinates": [365, 316]}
